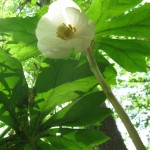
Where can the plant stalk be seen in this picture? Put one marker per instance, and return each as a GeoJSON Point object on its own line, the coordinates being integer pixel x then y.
{"type": "Point", "coordinates": [113, 100]}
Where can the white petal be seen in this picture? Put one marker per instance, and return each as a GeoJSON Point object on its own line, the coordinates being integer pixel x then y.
{"type": "Point", "coordinates": [92, 28]}
{"type": "Point", "coordinates": [55, 14]}
{"type": "Point", "coordinates": [57, 10]}
{"type": "Point", "coordinates": [45, 26]}
{"type": "Point", "coordinates": [62, 4]}
{"type": "Point", "coordinates": [75, 17]}
{"type": "Point", "coordinates": [53, 52]}
{"type": "Point", "coordinates": [86, 33]}
{"type": "Point", "coordinates": [85, 29]}
{"type": "Point", "coordinates": [81, 44]}
{"type": "Point", "coordinates": [46, 32]}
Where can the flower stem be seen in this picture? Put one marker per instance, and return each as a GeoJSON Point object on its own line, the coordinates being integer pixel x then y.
{"type": "Point", "coordinates": [113, 100]}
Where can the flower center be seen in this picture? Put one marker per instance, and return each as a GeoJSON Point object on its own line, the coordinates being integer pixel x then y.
{"type": "Point", "coordinates": [65, 32]}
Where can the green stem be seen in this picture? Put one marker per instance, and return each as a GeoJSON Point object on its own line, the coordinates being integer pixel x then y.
{"type": "Point", "coordinates": [113, 100]}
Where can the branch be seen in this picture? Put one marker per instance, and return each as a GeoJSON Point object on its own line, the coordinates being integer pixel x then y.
{"type": "Point", "coordinates": [113, 100]}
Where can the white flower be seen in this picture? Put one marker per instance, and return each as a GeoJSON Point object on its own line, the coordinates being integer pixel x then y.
{"type": "Point", "coordinates": [62, 28]}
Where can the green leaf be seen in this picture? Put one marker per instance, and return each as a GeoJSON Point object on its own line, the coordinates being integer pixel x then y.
{"type": "Point", "coordinates": [33, 2]}
{"type": "Point", "coordinates": [64, 80]}
{"type": "Point", "coordinates": [71, 77]}
{"type": "Point", "coordinates": [82, 112]}
{"type": "Point", "coordinates": [8, 115]}
{"type": "Point", "coordinates": [60, 81]}
{"type": "Point", "coordinates": [24, 42]}
{"type": "Point", "coordinates": [13, 90]}
{"type": "Point", "coordinates": [110, 75]}
{"type": "Point", "coordinates": [84, 5]}
{"type": "Point", "coordinates": [84, 138]}
{"type": "Point", "coordinates": [133, 29]}
{"type": "Point", "coordinates": [105, 9]}
{"type": "Point", "coordinates": [2, 124]}
{"type": "Point", "coordinates": [27, 147]}
{"type": "Point", "coordinates": [109, 72]}
{"type": "Point", "coordinates": [61, 143]}
{"type": "Point", "coordinates": [130, 54]}
{"type": "Point", "coordinates": [4, 147]}
{"type": "Point", "coordinates": [23, 50]}
{"type": "Point", "coordinates": [42, 145]}
{"type": "Point", "coordinates": [14, 143]}
{"type": "Point", "coordinates": [134, 24]}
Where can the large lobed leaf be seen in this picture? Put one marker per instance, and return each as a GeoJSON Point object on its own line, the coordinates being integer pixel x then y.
{"type": "Point", "coordinates": [82, 112]}
{"type": "Point", "coordinates": [77, 139]}
{"type": "Point", "coordinates": [23, 44]}
{"type": "Point", "coordinates": [13, 91]}
{"type": "Point", "coordinates": [125, 37]}
{"type": "Point", "coordinates": [135, 23]}
{"type": "Point", "coordinates": [59, 82]}
{"type": "Point", "coordinates": [63, 80]}
{"type": "Point", "coordinates": [105, 9]}
{"type": "Point", "coordinates": [130, 54]}
{"type": "Point", "coordinates": [22, 31]}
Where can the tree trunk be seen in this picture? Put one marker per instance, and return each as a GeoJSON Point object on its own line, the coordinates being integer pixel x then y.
{"type": "Point", "coordinates": [116, 142]}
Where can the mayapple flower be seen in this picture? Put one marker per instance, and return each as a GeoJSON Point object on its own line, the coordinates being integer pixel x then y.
{"type": "Point", "coordinates": [63, 28]}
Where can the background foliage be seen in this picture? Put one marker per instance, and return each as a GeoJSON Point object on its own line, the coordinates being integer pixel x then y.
{"type": "Point", "coordinates": [48, 104]}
